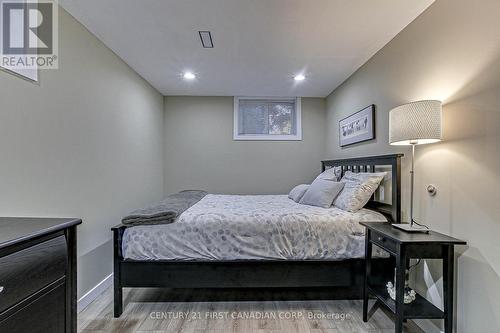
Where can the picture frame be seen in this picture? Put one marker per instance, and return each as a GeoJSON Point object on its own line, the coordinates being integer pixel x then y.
{"type": "Point", "coordinates": [358, 127]}
{"type": "Point", "coordinates": [30, 75]}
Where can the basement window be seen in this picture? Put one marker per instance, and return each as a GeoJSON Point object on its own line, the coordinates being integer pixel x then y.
{"type": "Point", "coordinates": [264, 118]}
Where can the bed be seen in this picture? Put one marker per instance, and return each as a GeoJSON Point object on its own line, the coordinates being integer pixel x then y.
{"type": "Point", "coordinates": [258, 241]}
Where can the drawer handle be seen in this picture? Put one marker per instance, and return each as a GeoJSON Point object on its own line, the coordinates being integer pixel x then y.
{"type": "Point", "coordinates": [381, 239]}
{"type": "Point", "coordinates": [1, 288]}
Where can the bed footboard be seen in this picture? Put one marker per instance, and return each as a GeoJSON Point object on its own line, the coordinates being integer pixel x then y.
{"type": "Point", "coordinates": [344, 277]}
{"type": "Point", "coordinates": [117, 260]}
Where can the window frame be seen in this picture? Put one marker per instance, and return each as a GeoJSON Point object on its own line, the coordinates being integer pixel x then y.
{"type": "Point", "coordinates": [268, 137]}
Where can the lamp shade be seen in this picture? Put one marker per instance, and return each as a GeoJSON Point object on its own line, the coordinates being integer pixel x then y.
{"type": "Point", "coordinates": [415, 123]}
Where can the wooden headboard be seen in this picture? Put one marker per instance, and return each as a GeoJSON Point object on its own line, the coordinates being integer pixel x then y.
{"type": "Point", "coordinates": [391, 208]}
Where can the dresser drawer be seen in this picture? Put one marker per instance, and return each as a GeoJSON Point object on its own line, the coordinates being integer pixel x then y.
{"type": "Point", "coordinates": [44, 313]}
{"type": "Point", "coordinates": [384, 242]}
{"type": "Point", "coordinates": [24, 272]}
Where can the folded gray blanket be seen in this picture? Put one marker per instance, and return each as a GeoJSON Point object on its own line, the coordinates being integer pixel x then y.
{"type": "Point", "coordinates": [166, 211]}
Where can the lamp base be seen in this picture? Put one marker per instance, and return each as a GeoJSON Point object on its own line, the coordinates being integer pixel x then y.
{"type": "Point", "coordinates": [409, 228]}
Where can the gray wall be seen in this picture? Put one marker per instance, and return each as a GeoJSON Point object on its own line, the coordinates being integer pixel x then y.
{"type": "Point", "coordinates": [86, 142]}
{"type": "Point", "coordinates": [200, 151]}
{"type": "Point", "coordinates": [452, 53]}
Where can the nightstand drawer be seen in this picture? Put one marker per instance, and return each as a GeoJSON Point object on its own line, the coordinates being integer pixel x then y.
{"type": "Point", "coordinates": [24, 272]}
{"type": "Point", "coordinates": [384, 242]}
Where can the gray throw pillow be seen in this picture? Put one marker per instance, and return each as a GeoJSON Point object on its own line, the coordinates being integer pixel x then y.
{"type": "Point", "coordinates": [359, 187]}
{"type": "Point", "coordinates": [298, 192]}
{"type": "Point", "coordinates": [321, 193]}
{"type": "Point", "coordinates": [334, 173]}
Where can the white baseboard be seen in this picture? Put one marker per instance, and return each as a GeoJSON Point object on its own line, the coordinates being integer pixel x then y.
{"type": "Point", "coordinates": [427, 326]}
{"type": "Point", "coordinates": [93, 293]}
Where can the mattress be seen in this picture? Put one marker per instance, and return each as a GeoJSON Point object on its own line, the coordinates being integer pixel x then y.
{"type": "Point", "coordinates": [252, 227]}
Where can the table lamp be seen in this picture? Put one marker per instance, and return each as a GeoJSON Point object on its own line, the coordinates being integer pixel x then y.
{"type": "Point", "coordinates": [414, 124]}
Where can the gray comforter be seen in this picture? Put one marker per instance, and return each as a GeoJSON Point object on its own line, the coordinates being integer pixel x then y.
{"type": "Point", "coordinates": [252, 227]}
{"type": "Point", "coordinates": [166, 211]}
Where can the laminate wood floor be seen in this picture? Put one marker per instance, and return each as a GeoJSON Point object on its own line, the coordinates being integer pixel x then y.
{"type": "Point", "coordinates": [197, 311]}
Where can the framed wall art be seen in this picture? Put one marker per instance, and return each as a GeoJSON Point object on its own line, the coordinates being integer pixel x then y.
{"type": "Point", "coordinates": [358, 127]}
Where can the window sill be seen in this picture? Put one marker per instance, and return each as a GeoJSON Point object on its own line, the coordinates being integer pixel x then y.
{"type": "Point", "coordinates": [250, 137]}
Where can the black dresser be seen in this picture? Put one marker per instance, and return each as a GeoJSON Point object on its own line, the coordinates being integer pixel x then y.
{"type": "Point", "coordinates": [37, 275]}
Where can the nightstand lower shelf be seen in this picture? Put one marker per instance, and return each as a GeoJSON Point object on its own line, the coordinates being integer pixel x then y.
{"type": "Point", "coordinates": [420, 308]}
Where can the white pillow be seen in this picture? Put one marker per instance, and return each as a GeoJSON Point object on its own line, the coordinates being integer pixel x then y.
{"type": "Point", "coordinates": [321, 193]}
{"type": "Point", "coordinates": [358, 189]}
{"type": "Point", "coordinates": [298, 192]}
{"type": "Point", "coordinates": [334, 173]}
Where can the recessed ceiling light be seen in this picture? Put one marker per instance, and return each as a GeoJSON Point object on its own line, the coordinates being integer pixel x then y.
{"type": "Point", "coordinates": [299, 77]}
{"type": "Point", "coordinates": [189, 76]}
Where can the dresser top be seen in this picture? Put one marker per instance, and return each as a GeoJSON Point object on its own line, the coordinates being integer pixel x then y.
{"type": "Point", "coordinates": [15, 230]}
{"type": "Point", "coordinates": [401, 236]}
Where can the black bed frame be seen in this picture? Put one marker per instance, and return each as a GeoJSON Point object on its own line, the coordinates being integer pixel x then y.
{"type": "Point", "coordinates": [345, 275]}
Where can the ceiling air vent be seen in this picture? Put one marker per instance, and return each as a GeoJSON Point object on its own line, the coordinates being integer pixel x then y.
{"type": "Point", "coordinates": [206, 39]}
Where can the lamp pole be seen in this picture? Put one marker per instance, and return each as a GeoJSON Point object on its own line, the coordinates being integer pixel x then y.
{"type": "Point", "coordinates": [412, 179]}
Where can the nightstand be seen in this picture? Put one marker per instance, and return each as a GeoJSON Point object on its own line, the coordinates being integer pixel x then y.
{"type": "Point", "coordinates": [403, 247]}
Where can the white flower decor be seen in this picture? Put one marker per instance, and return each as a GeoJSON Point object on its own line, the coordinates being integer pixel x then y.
{"type": "Point", "coordinates": [410, 294]}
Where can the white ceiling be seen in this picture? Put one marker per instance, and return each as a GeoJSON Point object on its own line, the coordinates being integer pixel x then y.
{"type": "Point", "coordinates": [259, 44]}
